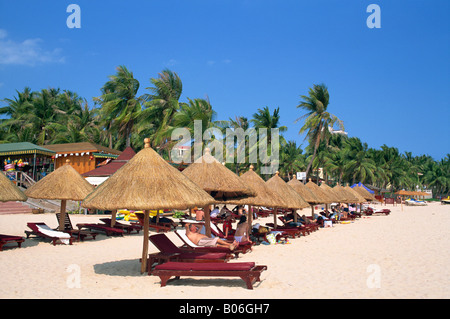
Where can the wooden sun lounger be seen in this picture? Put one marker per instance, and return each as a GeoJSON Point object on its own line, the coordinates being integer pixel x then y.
{"type": "Point", "coordinates": [292, 232]}
{"type": "Point", "coordinates": [36, 232]}
{"type": "Point", "coordinates": [5, 239]}
{"type": "Point", "coordinates": [103, 228]}
{"type": "Point", "coordinates": [247, 271]}
{"type": "Point", "coordinates": [119, 225]}
{"type": "Point", "coordinates": [370, 211]}
{"type": "Point", "coordinates": [77, 233]}
{"type": "Point", "coordinates": [170, 252]}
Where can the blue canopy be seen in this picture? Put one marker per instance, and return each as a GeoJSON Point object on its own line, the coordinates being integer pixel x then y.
{"type": "Point", "coordinates": [361, 184]}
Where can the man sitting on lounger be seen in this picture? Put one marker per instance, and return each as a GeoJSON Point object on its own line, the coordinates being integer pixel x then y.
{"type": "Point", "coordinates": [192, 232]}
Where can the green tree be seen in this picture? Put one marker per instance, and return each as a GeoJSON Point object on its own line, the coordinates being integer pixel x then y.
{"type": "Point", "coordinates": [119, 102]}
{"type": "Point", "coordinates": [317, 118]}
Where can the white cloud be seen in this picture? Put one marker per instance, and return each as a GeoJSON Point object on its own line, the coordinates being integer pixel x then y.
{"type": "Point", "coordinates": [171, 62]}
{"type": "Point", "coordinates": [213, 62]}
{"type": "Point", "coordinates": [27, 52]}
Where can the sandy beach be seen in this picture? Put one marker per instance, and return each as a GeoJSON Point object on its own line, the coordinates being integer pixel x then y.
{"type": "Point", "coordinates": [403, 255]}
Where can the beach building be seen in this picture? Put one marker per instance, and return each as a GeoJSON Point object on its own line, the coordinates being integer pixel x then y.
{"type": "Point", "coordinates": [24, 160]}
{"type": "Point", "coordinates": [108, 167]}
{"type": "Point", "coordinates": [84, 156]}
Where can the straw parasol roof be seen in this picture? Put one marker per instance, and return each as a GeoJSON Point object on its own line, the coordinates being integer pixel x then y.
{"type": "Point", "coordinates": [330, 192]}
{"type": "Point", "coordinates": [291, 199]}
{"type": "Point", "coordinates": [65, 183]}
{"type": "Point", "coordinates": [403, 192]}
{"type": "Point", "coordinates": [265, 196]}
{"type": "Point", "coordinates": [304, 191]}
{"type": "Point", "coordinates": [359, 197]}
{"type": "Point", "coordinates": [364, 193]}
{"type": "Point", "coordinates": [344, 195]}
{"type": "Point", "coordinates": [216, 179]}
{"type": "Point", "coordinates": [323, 196]}
{"type": "Point", "coordinates": [147, 182]}
{"type": "Point", "coordinates": [9, 191]}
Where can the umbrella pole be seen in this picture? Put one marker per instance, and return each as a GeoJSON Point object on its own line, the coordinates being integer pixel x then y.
{"type": "Point", "coordinates": [62, 215]}
{"type": "Point", "coordinates": [250, 219]}
{"type": "Point", "coordinates": [275, 210]}
{"type": "Point", "coordinates": [145, 244]}
{"type": "Point", "coordinates": [113, 217]}
{"type": "Point", "coordinates": [207, 221]}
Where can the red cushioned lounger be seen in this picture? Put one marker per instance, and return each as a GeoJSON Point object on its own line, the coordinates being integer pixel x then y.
{"type": "Point", "coordinates": [4, 239]}
{"type": "Point", "coordinates": [247, 271]}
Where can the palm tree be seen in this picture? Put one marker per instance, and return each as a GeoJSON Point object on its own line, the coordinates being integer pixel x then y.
{"type": "Point", "coordinates": [160, 108]}
{"type": "Point", "coordinates": [317, 119]}
{"type": "Point", "coordinates": [264, 119]}
{"type": "Point", "coordinates": [120, 103]}
{"type": "Point", "coordinates": [291, 159]}
{"type": "Point", "coordinates": [358, 166]}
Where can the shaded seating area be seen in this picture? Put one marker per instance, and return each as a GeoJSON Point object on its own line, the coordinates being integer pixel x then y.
{"type": "Point", "coordinates": [6, 239]}
{"type": "Point", "coordinates": [43, 231]}
{"type": "Point", "coordinates": [247, 271]}
{"type": "Point", "coordinates": [77, 233]}
{"type": "Point", "coordinates": [170, 252]}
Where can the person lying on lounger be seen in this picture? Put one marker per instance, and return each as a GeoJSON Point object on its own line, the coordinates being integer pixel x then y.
{"type": "Point", "coordinates": [192, 232]}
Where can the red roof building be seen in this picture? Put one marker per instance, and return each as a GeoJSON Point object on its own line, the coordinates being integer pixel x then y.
{"type": "Point", "coordinates": [111, 166]}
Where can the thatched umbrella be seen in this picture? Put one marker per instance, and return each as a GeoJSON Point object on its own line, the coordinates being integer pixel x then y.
{"type": "Point", "coordinates": [291, 199]}
{"type": "Point", "coordinates": [9, 191]}
{"type": "Point", "coordinates": [324, 196]}
{"type": "Point", "coordinates": [147, 182]}
{"type": "Point", "coordinates": [330, 192]}
{"type": "Point", "coordinates": [311, 197]}
{"type": "Point", "coordinates": [364, 193]}
{"type": "Point", "coordinates": [304, 191]}
{"type": "Point", "coordinates": [358, 196]}
{"type": "Point", "coordinates": [64, 184]}
{"type": "Point", "coordinates": [344, 195]}
{"type": "Point", "coordinates": [265, 196]}
{"type": "Point", "coordinates": [218, 181]}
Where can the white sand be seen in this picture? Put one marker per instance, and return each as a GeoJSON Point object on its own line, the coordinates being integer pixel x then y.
{"type": "Point", "coordinates": [403, 255]}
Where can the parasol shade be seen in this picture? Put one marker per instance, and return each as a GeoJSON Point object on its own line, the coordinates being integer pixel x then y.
{"type": "Point", "coordinates": [9, 191]}
{"type": "Point", "coordinates": [217, 180]}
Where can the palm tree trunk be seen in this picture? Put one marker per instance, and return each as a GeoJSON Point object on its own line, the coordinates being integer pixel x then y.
{"type": "Point", "coordinates": [310, 162]}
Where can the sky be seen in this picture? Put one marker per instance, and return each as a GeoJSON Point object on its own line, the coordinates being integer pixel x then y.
{"type": "Point", "coordinates": [389, 85]}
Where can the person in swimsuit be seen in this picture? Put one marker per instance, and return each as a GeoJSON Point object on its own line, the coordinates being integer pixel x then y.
{"type": "Point", "coordinates": [192, 232]}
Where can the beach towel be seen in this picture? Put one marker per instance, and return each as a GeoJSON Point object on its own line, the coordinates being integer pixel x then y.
{"type": "Point", "coordinates": [207, 242]}
{"type": "Point", "coordinates": [63, 237]}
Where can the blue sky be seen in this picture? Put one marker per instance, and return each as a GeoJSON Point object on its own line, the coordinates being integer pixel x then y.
{"type": "Point", "coordinates": [389, 85]}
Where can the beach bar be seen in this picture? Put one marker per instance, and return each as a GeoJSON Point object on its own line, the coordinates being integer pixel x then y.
{"type": "Point", "coordinates": [25, 157]}
{"type": "Point", "coordinates": [84, 157]}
